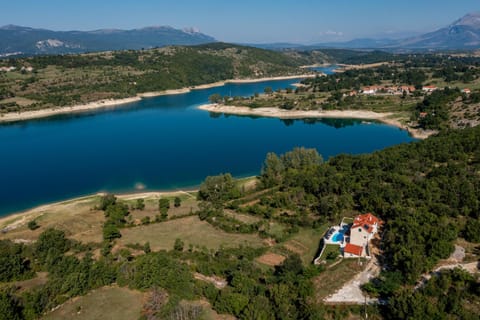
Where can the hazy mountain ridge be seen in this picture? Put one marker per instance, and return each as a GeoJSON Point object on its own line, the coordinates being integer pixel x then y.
{"type": "Point", "coordinates": [31, 41]}
{"type": "Point", "coordinates": [463, 33]}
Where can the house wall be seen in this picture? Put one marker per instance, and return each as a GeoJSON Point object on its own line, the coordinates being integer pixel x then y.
{"type": "Point", "coordinates": [359, 236]}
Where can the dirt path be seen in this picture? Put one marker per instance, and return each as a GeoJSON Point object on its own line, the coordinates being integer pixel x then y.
{"type": "Point", "coordinates": [351, 292]}
{"type": "Point", "coordinates": [218, 282]}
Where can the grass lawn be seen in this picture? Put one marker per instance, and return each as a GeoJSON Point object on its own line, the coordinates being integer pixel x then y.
{"type": "Point", "coordinates": [105, 303]}
{"type": "Point", "coordinates": [328, 249]}
{"type": "Point", "coordinates": [191, 230]}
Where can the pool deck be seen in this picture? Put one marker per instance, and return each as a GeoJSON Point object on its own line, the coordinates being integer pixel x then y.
{"type": "Point", "coordinates": [330, 235]}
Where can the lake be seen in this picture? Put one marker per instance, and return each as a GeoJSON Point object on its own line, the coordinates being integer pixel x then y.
{"type": "Point", "coordinates": [161, 143]}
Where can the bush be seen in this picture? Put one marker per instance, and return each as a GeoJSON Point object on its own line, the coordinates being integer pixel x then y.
{"type": "Point", "coordinates": [32, 225]}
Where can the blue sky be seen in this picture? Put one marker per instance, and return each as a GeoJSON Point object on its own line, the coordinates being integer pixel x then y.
{"type": "Point", "coordinates": [300, 21]}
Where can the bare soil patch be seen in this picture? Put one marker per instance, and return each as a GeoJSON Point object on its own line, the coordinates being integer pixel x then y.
{"type": "Point", "coordinates": [271, 259]}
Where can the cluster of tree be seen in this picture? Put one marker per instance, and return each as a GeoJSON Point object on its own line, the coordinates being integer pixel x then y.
{"type": "Point", "coordinates": [68, 275]}
{"type": "Point", "coordinates": [436, 108]}
{"type": "Point", "coordinates": [14, 262]}
{"type": "Point", "coordinates": [115, 214]}
{"type": "Point", "coordinates": [253, 293]}
{"type": "Point", "coordinates": [452, 294]}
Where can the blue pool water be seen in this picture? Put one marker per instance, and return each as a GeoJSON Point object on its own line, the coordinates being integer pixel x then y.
{"type": "Point", "coordinates": [337, 237]}
{"type": "Point", "coordinates": [162, 143]}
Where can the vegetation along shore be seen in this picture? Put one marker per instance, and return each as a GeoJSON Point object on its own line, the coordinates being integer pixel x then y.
{"type": "Point", "coordinates": [112, 103]}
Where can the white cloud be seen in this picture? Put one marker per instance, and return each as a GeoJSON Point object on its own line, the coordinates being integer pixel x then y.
{"type": "Point", "coordinates": [332, 33]}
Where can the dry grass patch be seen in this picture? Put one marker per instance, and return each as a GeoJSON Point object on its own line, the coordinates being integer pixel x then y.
{"type": "Point", "coordinates": [191, 230]}
{"type": "Point", "coordinates": [188, 204]}
{"type": "Point", "coordinates": [245, 218]}
{"type": "Point", "coordinates": [271, 259]}
{"type": "Point", "coordinates": [332, 279]}
{"type": "Point", "coordinates": [75, 217]}
{"type": "Point", "coordinates": [105, 303]}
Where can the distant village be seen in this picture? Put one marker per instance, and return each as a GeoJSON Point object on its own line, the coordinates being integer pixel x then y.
{"type": "Point", "coordinates": [395, 90]}
{"type": "Point", "coordinates": [10, 69]}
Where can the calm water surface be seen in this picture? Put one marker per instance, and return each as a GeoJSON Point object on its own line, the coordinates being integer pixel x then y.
{"type": "Point", "coordinates": [162, 143]}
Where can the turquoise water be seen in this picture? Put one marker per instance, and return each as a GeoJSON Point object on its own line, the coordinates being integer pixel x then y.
{"type": "Point", "coordinates": [337, 237]}
{"type": "Point", "coordinates": [162, 143]}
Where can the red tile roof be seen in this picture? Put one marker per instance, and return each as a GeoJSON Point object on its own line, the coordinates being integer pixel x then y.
{"type": "Point", "coordinates": [367, 221]}
{"type": "Point", "coordinates": [353, 249]}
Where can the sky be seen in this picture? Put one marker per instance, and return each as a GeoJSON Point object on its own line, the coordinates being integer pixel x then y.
{"type": "Point", "coordinates": [246, 21]}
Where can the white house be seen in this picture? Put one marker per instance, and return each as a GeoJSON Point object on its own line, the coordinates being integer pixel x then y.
{"type": "Point", "coordinates": [364, 227]}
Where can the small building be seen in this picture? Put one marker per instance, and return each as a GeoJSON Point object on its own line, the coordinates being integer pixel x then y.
{"type": "Point", "coordinates": [407, 89]}
{"type": "Point", "coordinates": [429, 88]}
{"type": "Point", "coordinates": [353, 251]}
{"type": "Point", "coordinates": [466, 91]}
{"type": "Point", "coordinates": [370, 90]}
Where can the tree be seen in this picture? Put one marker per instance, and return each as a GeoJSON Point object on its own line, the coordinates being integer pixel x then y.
{"type": "Point", "coordinates": [300, 158]}
{"type": "Point", "coordinates": [178, 245]}
{"type": "Point", "coordinates": [116, 213]}
{"type": "Point", "coordinates": [110, 231]}
{"type": "Point", "coordinates": [51, 243]}
{"type": "Point", "coordinates": [140, 204]}
{"type": "Point", "coordinates": [146, 247]}
{"type": "Point", "coordinates": [177, 202]}
{"type": "Point", "coordinates": [9, 308]}
{"type": "Point", "coordinates": [216, 190]}
{"type": "Point", "coordinates": [33, 225]}
{"type": "Point", "coordinates": [272, 171]}
{"type": "Point", "coordinates": [163, 206]}
{"type": "Point", "coordinates": [268, 90]}
{"type": "Point", "coordinates": [215, 98]}
{"type": "Point", "coordinates": [107, 200]}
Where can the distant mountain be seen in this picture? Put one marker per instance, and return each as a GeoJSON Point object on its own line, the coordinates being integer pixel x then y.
{"type": "Point", "coordinates": [462, 34]}
{"type": "Point", "coordinates": [30, 41]}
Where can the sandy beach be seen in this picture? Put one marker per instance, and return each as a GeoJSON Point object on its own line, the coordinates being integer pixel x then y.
{"type": "Point", "coordinates": [107, 103]}
{"type": "Point", "coordinates": [296, 114]}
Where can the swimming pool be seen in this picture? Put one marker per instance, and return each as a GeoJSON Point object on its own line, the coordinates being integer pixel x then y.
{"type": "Point", "coordinates": [338, 237]}
{"type": "Point", "coordinates": [340, 234]}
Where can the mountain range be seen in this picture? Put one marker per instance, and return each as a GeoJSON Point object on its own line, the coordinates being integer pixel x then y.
{"type": "Point", "coordinates": [463, 34]}
{"type": "Point", "coordinates": [17, 40]}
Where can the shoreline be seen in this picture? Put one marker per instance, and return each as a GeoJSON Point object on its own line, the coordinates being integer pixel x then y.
{"type": "Point", "coordinates": [107, 103]}
{"type": "Point", "coordinates": [16, 219]}
{"type": "Point", "coordinates": [338, 114]}
{"type": "Point", "coordinates": [12, 221]}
